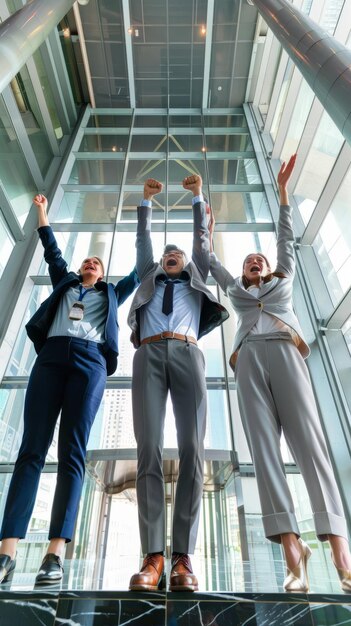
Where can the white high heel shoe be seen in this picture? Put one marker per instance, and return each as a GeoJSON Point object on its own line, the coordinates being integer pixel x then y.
{"type": "Point", "coordinates": [297, 578]}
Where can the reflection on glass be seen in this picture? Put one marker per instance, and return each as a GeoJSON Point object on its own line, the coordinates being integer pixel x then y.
{"type": "Point", "coordinates": [132, 199]}
{"type": "Point", "coordinates": [149, 143]}
{"type": "Point", "coordinates": [23, 354]}
{"type": "Point", "coordinates": [232, 206]}
{"type": "Point", "coordinates": [185, 143]}
{"type": "Point", "coordinates": [87, 207]}
{"type": "Point", "coordinates": [104, 143]}
{"type": "Point", "coordinates": [225, 121]}
{"type": "Point", "coordinates": [150, 121]}
{"type": "Point", "coordinates": [48, 95]}
{"type": "Point", "coordinates": [318, 165]}
{"type": "Point", "coordinates": [233, 172]}
{"type": "Point", "coordinates": [333, 243]}
{"type": "Point", "coordinates": [109, 121]}
{"type": "Point", "coordinates": [189, 121]}
{"type": "Point", "coordinates": [97, 172]}
{"type": "Point", "coordinates": [139, 170]}
{"type": "Point", "coordinates": [180, 168]}
{"type": "Point", "coordinates": [27, 103]}
{"type": "Point", "coordinates": [228, 143]}
{"type": "Point", "coordinates": [14, 173]}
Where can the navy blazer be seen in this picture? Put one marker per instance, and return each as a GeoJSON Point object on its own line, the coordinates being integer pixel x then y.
{"type": "Point", "coordinates": [38, 326]}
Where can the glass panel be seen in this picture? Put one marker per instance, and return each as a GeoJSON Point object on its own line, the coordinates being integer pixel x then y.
{"type": "Point", "coordinates": [87, 207]}
{"type": "Point", "coordinates": [11, 426]}
{"type": "Point", "coordinates": [149, 143]}
{"type": "Point", "coordinates": [231, 206]}
{"type": "Point", "coordinates": [190, 121]}
{"type": "Point", "coordinates": [180, 168]}
{"type": "Point", "coordinates": [109, 121]}
{"type": "Point", "coordinates": [186, 143]}
{"type": "Point", "coordinates": [150, 121]}
{"type": "Point", "coordinates": [233, 172]}
{"type": "Point", "coordinates": [132, 200]}
{"type": "Point", "coordinates": [77, 246]}
{"type": "Point", "coordinates": [48, 95]}
{"type": "Point", "coordinates": [97, 172]}
{"type": "Point", "coordinates": [225, 121]}
{"type": "Point", "coordinates": [30, 112]}
{"type": "Point", "coordinates": [6, 245]}
{"type": "Point", "coordinates": [282, 98]}
{"type": "Point", "coordinates": [123, 251]}
{"type": "Point", "coordinates": [228, 143]}
{"type": "Point", "coordinates": [23, 354]}
{"type": "Point", "coordinates": [104, 143]}
{"type": "Point", "coordinates": [232, 248]}
{"type": "Point", "coordinates": [325, 148]}
{"type": "Point", "coordinates": [14, 173]}
{"type": "Point", "coordinates": [139, 170]}
{"type": "Point", "coordinates": [298, 120]}
{"type": "Point", "coordinates": [333, 243]}
{"type": "Point", "coordinates": [331, 14]}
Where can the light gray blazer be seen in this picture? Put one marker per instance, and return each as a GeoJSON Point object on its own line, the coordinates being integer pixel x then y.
{"type": "Point", "coordinates": [212, 313]}
{"type": "Point", "coordinates": [275, 296]}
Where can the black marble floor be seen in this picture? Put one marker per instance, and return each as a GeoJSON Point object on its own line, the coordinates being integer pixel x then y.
{"type": "Point", "coordinates": [55, 607]}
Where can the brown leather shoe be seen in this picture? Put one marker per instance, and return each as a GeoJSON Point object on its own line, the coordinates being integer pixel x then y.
{"type": "Point", "coordinates": [151, 576]}
{"type": "Point", "coordinates": [182, 577]}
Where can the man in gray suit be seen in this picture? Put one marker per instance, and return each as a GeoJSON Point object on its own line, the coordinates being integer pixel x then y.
{"type": "Point", "coordinates": [172, 308]}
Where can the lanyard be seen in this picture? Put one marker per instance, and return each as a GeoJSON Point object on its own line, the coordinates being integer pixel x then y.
{"type": "Point", "coordinates": [83, 293]}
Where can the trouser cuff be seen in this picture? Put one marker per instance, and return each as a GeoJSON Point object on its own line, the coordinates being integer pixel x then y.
{"type": "Point", "coordinates": [279, 523]}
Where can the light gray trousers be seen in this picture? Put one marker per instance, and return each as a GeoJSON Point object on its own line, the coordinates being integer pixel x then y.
{"type": "Point", "coordinates": [275, 395]}
{"type": "Point", "coordinates": [177, 367]}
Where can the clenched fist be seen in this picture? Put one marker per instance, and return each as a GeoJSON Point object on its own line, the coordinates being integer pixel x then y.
{"type": "Point", "coordinates": [193, 183]}
{"type": "Point", "coordinates": [151, 188]}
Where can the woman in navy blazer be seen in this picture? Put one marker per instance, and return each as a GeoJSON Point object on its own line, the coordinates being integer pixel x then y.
{"type": "Point", "coordinates": [75, 333]}
{"type": "Point", "coordinates": [275, 395]}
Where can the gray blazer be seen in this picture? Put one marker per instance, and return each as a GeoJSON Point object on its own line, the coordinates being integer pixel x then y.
{"type": "Point", "coordinates": [212, 313]}
{"type": "Point", "coordinates": [275, 296]}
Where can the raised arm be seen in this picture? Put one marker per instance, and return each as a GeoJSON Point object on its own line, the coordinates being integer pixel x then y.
{"type": "Point", "coordinates": [41, 204]}
{"type": "Point", "coordinates": [144, 252]}
{"type": "Point", "coordinates": [285, 238]}
{"type": "Point", "coordinates": [201, 243]}
{"type": "Point", "coordinates": [52, 253]}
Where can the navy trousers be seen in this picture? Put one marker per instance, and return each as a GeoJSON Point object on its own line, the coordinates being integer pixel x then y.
{"type": "Point", "coordinates": [69, 375]}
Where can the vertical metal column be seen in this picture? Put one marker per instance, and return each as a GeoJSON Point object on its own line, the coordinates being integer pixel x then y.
{"type": "Point", "coordinates": [324, 62]}
{"type": "Point", "coordinates": [24, 31]}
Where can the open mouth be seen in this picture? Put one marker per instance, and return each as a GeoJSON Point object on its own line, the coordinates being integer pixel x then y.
{"type": "Point", "coordinates": [90, 267]}
{"type": "Point", "coordinates": [255, 268]}
{"type": "Point", "coordinates": [171, 263]}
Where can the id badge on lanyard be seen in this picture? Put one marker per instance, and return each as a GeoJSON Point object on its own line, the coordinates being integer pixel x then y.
{"type": "Point", "coordinates": [77, 310]}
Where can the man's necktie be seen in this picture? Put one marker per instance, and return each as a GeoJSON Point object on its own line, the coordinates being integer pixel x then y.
{"type": "Point", "coordinates": [167, 304]}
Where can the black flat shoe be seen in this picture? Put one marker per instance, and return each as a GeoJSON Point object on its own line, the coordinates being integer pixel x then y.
{"type": "Point", "coordinates": [51, 570]}
{"type": "Point", "coordinates": [7, 568]}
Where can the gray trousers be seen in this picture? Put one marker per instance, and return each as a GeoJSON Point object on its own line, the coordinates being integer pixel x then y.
{"type": "Point", "coordinates": [177, 367]}
{"type": "Point", "coordinates": [275, 394]}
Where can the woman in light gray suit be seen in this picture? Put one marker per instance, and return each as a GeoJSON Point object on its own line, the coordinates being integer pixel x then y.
{"type": "Point", "coordinates": [275, 395]}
